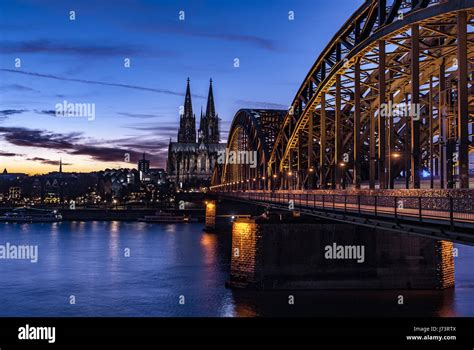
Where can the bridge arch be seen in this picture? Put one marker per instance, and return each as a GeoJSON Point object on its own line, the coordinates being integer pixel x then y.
{"type": "Point", "coordinates": [389, 53]}
{"type": "Point", "coordinates": [250, 141]}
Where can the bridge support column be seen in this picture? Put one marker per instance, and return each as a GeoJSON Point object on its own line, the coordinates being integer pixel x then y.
{"type": "Point", "coordinates": [463, 105]}
{"type": "Point", "coordinates": [210, 215]}
{"type": "Point", "coordinates": [338, 168]}
{"type": "Point", "coordinates": [322, 143]}
{"type": "Point", "coordinates": [382, 123]}
{"type": "Point", "coordinates": [442, 124]}
{"type": "Point", "coordinates": [357, 118]}
{"type": "Point", "coordinates": [310, 170]}
{"type": "Point", "coordinates": [287, 254]}
{"type": "Point", "coordinates": [408, 146]}
{"type": "Point", "coordinates": [431, 135]}
{"type": "Point", "coordinates": [372, 155]}
{"type": "Point", "coordinates": [415, 100]}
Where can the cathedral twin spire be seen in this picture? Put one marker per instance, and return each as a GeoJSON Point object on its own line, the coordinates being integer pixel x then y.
{"type": "Point", "coordinates": [209, 123]}
{"type": "Point", "coordinates": [187, 121]}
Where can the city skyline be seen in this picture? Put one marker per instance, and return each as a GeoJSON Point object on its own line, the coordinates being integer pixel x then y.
{"type": "Point", "coordinates": [137, 108]}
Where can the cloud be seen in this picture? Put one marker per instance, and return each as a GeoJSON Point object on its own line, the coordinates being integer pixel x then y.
{"type": "Point", "coordinates": [81, 49]}
{"type": "Point", "coordinates": [8, 154]}
{"type": "Point", "coordinates": [47, 112]}
{"type": "Point", "coordinates": [211, 33]}
{"type": "Point", "coordinates": [153, 127]}
{"type": "Point", "coordinates": [147, 145]}
{"type": "Point", "coordinates": [164, 131]}
{"type": "Point", "coordinates": [251, 39]}
{"type": "Point", "coordinates": [261, 105]}
{"type": "Point", "coordinates": [115, 154]}
{"type": "Point", "coordinates": [96, 82]}
{"type": "Point", "coordinates": [139, 116]}
{"type": "Point", "coordinates": [104, 154]}
{"type": "Point", "coordinates": [9, 112]}
{"type": "Point", "coordinates": [39, 138]}
{"type": "Point", "coordinates": [74, 144]}
{"type": "Point", "coordinates": [17, 87]}
{"type": "Point", "coordinates": [47, 161]}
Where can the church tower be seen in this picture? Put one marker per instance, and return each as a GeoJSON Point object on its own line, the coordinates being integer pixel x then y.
{"type": "Point", "coordinates": [187, 121]}
{"type": "Point", "coordinates": [209, 128]}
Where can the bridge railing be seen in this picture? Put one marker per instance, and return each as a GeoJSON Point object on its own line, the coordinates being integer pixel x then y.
{"type": "Point", "coordinates": [446, 210]}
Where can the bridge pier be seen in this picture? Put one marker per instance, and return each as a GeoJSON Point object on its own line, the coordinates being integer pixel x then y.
{"type": "Point", "coordinates": [210, 215]}
{"type": "Point", "coordinates": [287, 253]}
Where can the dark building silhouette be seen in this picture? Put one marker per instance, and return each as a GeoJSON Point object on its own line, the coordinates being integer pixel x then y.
{"type": "Point", "coordinates": [143, 166]}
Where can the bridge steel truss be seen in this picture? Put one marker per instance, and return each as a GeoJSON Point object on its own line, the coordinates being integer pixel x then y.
{"type": "Point", "coordinates": [251, 137]}
{"type": "Point", "coordinates": [340, 130]}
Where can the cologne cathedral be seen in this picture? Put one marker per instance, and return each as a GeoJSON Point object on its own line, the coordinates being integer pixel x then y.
{"type": "Point", "coordinates": [191, 160]}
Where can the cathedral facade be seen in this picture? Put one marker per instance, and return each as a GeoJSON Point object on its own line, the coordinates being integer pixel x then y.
{"type": "Point", "coordinates": [192, 158]}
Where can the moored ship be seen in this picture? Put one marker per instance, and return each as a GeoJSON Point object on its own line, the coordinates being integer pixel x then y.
{"type": "Point", "coordinates": [164, 217]}
{"type": "Point", "coordinates": [30, 215]}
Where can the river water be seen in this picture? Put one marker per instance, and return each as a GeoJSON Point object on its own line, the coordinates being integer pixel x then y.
{"type": "Point", "coordinates": [139, 269]}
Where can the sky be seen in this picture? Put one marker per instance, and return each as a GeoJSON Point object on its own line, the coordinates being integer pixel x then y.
{"type": "Point", "coordinates": [137, 107]}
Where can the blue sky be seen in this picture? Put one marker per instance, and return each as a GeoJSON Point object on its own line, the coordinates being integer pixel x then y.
{"type": "Point", "coordinates": [137, 108]}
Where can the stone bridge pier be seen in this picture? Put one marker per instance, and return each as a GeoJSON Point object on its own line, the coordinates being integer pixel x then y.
{"type": "Point", "coordinates": [283, 252]}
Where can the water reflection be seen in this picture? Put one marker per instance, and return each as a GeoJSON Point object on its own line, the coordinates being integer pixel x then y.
{"type": "Point", "coordinates": [344, 303]}
{"type": "Point", "coordinates": [114, 240]}
{"type": "Point", "coordinates": [209, 245]}
{"type": "Point", "coordinates": [169, 260]}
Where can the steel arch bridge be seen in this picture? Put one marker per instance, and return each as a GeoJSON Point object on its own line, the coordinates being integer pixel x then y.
{"type": "Point", "coordinates": [251, 138]}
{"type": "Point", "coordinates": [388, 103]}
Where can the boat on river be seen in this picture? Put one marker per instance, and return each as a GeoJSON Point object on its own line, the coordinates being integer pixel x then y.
{"type": "Point", "coordinates": [164, 217]}
{"type": "Point", "coordinates": [31, 215]}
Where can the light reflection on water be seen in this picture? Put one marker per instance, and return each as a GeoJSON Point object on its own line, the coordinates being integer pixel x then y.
{"type": "Point", "coordinates": [87, 260]}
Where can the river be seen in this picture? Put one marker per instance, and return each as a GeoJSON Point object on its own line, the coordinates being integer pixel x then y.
{"type": "Point", "coordinates": [138, 269]}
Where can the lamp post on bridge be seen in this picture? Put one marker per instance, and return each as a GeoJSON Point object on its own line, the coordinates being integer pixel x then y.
{"type": "Point", "coordinates": [311, 174]}
{"type": "Point", "coordinates": [342, 179]}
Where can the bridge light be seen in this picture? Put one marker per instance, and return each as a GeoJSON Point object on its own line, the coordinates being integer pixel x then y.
{"type": "Point", "coordinates": [311, 170]}
{"type": "Point", "coordinates": [248, 180]}
{"type": "Point", "coordinates": [274, 176]}
{"type": "Point", "coordinates": [263, 177]}
{"type": "Point", "coordinates": [342, 164]}
{"type": "Point", "coordinates": [254, 180]}
{"type": "Point", "coordinates": [396, 155]}
{"type": "Point", "coordinates": [290, 173]}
